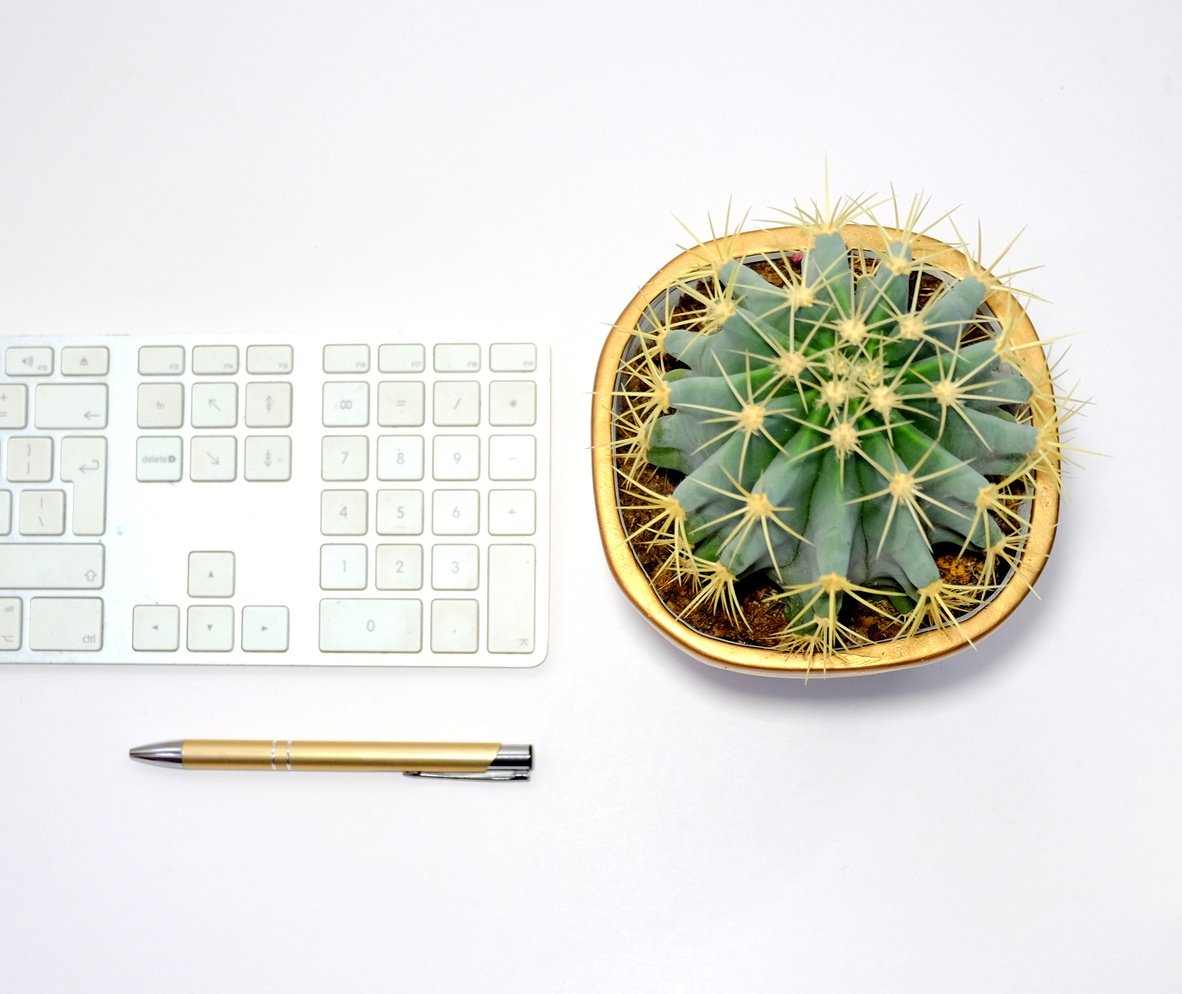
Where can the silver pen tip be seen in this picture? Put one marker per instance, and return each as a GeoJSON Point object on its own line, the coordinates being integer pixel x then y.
{"type": "Point", "coordinates": [168, 753]}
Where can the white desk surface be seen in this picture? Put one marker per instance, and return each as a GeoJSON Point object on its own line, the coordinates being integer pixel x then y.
{"type": "Point", "coordinates": [1006, 820]}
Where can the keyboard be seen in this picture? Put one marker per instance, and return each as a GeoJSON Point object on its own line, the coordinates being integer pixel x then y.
{"type": "Point", "coordinates": [214, 499]}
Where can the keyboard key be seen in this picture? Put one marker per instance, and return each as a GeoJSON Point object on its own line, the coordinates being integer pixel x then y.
{"type": "Point", "coordinates": [213, 458]}
{"type": "Point", "coordinates": [343, 512]}
{"type": "Point", "coordinates": [512, 402]}
{"type": "Point", "coordinates": [511, 457]}
{"type": "Point", "coordinates": [401, 358]}
{"type": "Point", "coordinates": [513, 357]}
{"type": "Point", "coordinates": [268, 405]}
{"type": "Point", "coordinates": [66, 624]}
{"type": "Point", "coordinates": [155, 628]}
{"type": "Point", "coordinates": [84, 464]}
{"type": "Point", "coordinates": [343, 567]}
{"type": "Point", "coordinates": [30, 459]}
{"type": "Point", "coordinates": [400, 404]}
{"type": "Point", "coordinates": [92, 360]}
{"type": "Point", "coordinates": [161, 360]}
{"type": "Point", "coordinates": [457, 403]}
{"type": "Point", "coordinates": [399, 512]}
{"type": "Point", "coordinates": [511, 512]}
{"type": "Point", "coordinates": [211, 574]}
{"type": "Point", "coordinates": [457, 358]}
{"type": "Point", "coordinates": [57, 566]}
{"type": "Point", "coordinates": [346, 405]}
{"type": "Point", "coordinates": [215, 405]}
{"type": "Point", "coordinates": [344, 457]}
{"type": "Point", "coordinates": [267, 459]}
{"type": "Point", "coordinates": [13, 405]}
{"type": "Point", "coordinates": [35, 360]}
{"type": "Point", "coordinates": [71, 405]}
{"type": "Point", "coordinates": [5, 512]}
{"type": "Point", "coordinates": [211, 628]}
{"type": "Point", "coordinates": [269, 360]}
{"type": "Point", "coordinates": [456, 457]}
{"type": "Point", "coordinates": [10, 624]}
{"type": "Point", "coordinates": [455, 512]}
{"type": "Point", "coordinates": [398, 567]}
{"type": "Point", "coordinates": [511, 579]}
{"type": "Point", "coordinates": [455, 567]}
{"type": "Point", "coordinates": [158, 459]}
{"type": "Point", "coordinates": [42, 512]}
{"type": "Point", "coordinates": [160, 405]}
{"type": "Point", "coordinates": [400, 457]}
{"type": "Point", "coordinates": [455, 626]}
{"type": "Point", "coordinates": [385, 625]}
{"type": "Point", "coordinates": [346, 358]}
{"type": "Point", "coordinates": [215, 360]}
{"type": "Point", "coordinates": [264, 629]}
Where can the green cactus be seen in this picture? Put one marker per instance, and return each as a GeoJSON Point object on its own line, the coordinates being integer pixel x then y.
{"type": "Point", "coordinates": [834, 419]}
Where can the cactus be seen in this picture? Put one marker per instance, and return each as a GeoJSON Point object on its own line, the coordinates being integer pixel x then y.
{"type": "Point", "coordinates": [835, 421]}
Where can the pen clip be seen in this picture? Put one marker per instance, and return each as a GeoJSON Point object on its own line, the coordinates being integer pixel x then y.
{"type": "Point", "coordinates": [512, 762]}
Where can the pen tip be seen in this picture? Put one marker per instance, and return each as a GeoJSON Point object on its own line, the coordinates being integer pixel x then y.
{"type": "Point", "coordinates": [168, 753]}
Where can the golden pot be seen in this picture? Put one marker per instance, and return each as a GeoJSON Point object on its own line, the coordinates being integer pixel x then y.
{"type": "Point", "coordinates": [876, 657]}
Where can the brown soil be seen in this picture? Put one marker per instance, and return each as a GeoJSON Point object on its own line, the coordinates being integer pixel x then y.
{"type": "Point", "coordinates": [765, 617]}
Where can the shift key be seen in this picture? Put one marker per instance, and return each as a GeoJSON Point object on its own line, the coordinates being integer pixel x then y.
{"type": "Point", "coordinates": [32, 566]}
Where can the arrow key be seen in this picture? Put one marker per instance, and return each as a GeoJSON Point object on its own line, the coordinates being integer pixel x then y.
{"type": "Point", "coordinates": [211, 628]}
{"type": "Point", "coordinates": [155, 628]}
{"type": "Point", "coordinates": [264, 629]}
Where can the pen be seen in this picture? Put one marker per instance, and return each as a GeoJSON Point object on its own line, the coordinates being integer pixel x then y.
{"type": "Point", "coordinates": [452, 760]}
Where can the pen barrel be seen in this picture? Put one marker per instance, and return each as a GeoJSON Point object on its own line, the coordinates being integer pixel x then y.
{"type": "Point", "coordinates": [356, 757]}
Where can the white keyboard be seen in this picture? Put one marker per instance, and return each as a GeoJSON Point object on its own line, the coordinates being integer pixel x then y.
{"type": "Point", "coordinates": [217, 499]}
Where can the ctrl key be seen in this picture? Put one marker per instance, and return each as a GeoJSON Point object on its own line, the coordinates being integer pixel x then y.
{"type": "Point", "coordinates": [66, 624]}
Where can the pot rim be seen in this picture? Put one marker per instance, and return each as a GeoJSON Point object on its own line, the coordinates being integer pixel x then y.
{"type": "Point", "coordinates": [875, 657]}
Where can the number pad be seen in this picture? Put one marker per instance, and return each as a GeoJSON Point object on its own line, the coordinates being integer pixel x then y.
{"type": "Point", "coordinates": [449, 443]}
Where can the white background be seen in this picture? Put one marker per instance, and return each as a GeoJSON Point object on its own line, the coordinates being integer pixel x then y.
{"type": "Point", "coordinates": [1008, 819]}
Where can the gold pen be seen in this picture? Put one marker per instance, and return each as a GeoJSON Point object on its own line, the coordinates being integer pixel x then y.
{"type": "Point", "coordinates": [451, 760]}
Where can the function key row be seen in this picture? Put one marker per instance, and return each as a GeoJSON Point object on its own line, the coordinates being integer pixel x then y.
{"type": "Point", "coordinates": [446, 357]}
{"type": "Point", "coordinates": [215, 360]}
{"type": "Point", "coordinates": [38, 360]}
{"type": "Point", "coordinates": [273, 360]}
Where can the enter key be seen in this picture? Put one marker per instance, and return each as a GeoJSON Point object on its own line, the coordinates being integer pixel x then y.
{"type": "Point", "coordinates": [84, 464]}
